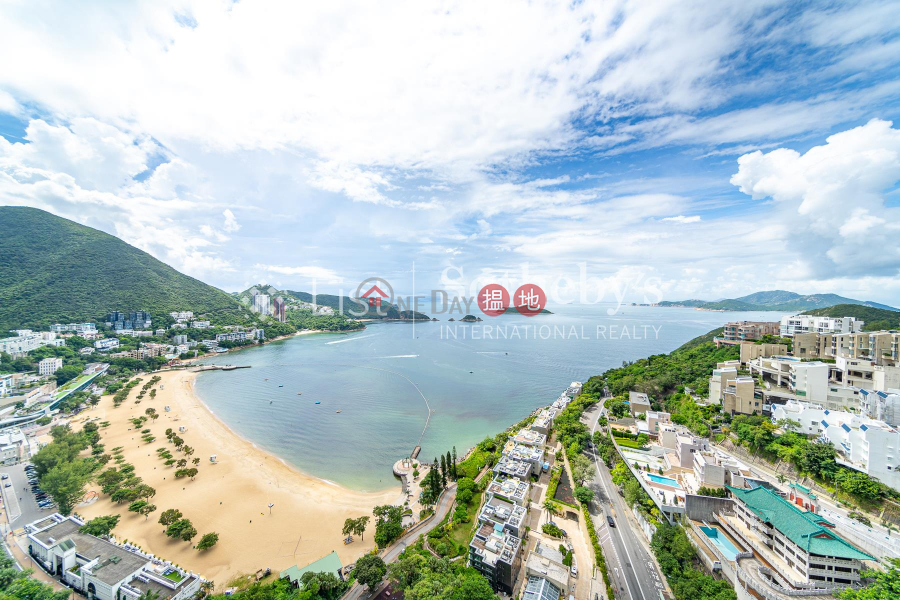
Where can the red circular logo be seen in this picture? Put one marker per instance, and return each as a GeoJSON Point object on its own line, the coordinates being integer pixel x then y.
{"type": "Point", "coordinates": [529, 300]}
{"type": "Point", "coordinates": [493, 299]}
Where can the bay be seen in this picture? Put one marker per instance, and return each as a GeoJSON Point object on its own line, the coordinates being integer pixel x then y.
{"type": "Point", "coordinates": [467, 381]}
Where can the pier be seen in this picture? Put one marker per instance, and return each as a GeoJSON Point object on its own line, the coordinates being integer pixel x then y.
{"type": "Point", "coordinates": [220, 368]}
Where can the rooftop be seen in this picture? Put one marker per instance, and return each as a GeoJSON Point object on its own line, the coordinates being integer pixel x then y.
{"type": "Point", "coordinates": [806, 529]}
{"type": "Point", "coordinates": [327, 564]}
{"type": "Point", "coordinates": [509, 488]}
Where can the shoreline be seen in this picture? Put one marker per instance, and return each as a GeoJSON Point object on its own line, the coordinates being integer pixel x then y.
{"type": "Point", "coordinates": [230, 497]}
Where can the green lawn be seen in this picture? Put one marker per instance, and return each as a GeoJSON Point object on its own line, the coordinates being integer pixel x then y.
{"type": "Point", "coordinates": [463, 534]}
{"type": "Point", "coordinates": [174, 576]}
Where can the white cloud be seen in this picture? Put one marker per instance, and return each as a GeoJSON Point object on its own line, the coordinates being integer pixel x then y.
{"type": "Point", "coordinates": [681, 219]}
{"type": "Point", "coordinates": [231, 224]}
{"type": "Point", "coordinates": [831, 199]}
{"type": "Point", "coordinates": [320, 274]}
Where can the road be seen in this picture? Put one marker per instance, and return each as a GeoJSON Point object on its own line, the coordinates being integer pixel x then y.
{"type": "Point", "coordinates": [633, 573]}
{"type": "Point", "coordinates": [393, 551]}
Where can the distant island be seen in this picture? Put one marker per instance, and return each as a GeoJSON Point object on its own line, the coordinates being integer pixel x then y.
{"type": "Point", "coordinates": [774, 300]}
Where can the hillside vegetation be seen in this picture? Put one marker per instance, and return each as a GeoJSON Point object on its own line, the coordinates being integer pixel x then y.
{"type": "Point", "coordinates": [53, 270]}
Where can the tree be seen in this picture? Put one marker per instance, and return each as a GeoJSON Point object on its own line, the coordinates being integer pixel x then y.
{"type": "Point", "coordinates": [169, 516]}
{"type": "Point", "coordinates": [582, 469]}
{"type": "Point", "coordinates": [149, 595]}
{"type": "Point", "coordinates": [66, 483]}
{"type": "Point", "coordinates": [584, 495]}
{"type": "Point", "coordinates": [370, 570]}
{"type": "Point", "coordinates": [388, 524]}
{"type": "Point", "coordinates": [100, 526]}
{"type": "Point", "coordinates": [208, 540]}
{"type": "Point", "coordinates": [183, 529]}
{"type": "Point", "coordinates": [551, 507]}
{"type": "Point", "coordinates": [552, 530]}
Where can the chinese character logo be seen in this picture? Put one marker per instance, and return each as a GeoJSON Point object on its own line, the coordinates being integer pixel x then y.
{"type": "Point", "coordinates": [493, 299]}
{"type": "Point", "coordinates": [529, 300]}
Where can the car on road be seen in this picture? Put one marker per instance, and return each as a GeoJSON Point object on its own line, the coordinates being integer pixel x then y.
{"type": "Point", "coordinates": [609, 520]}
{"type": "Point", "coordinates": [574, 571]}
{"type": "Point", "coordinates": [4, 476]}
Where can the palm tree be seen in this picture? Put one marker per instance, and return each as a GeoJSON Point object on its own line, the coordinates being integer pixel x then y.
{"type": "Point", "coordinates": [149, 595]}
{"type": "Point", "coordinates": [551, 507]}
{"type": "Point", "coordinates": [781, 478]}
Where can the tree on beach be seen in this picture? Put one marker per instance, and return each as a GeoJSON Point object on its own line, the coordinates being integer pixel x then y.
{"type": "Point", "coordinates": [169, 516]}
{"type": "Point", "coordinates": [181, 463]}
{"type": "Point", "coordinates": [208, 540]}
{"type": "Point", "coordinates": [181, 529]}
{"type": "Point", "coordinates": [388, 524]}
{"type": "Point", "coordinates": [359, 526]}
{"type": "Point", "coordinates": [370, 570]}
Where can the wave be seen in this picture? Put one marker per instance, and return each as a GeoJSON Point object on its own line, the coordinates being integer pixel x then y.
{"type": "Point", "coordinates": [362, 337]}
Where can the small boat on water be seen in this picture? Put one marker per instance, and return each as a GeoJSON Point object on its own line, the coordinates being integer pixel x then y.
{"type": "Point", "coordinates": [280, 385]}
{"type": "Point", "coordinates": [299, 393]}
{"type": "Point", "coordinates": [318, 402]}
{"type": "Point", "coordinates": [337, 411]}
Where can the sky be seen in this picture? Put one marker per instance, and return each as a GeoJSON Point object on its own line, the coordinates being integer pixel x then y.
{"type": "Point", "coordinates": [651, 150]}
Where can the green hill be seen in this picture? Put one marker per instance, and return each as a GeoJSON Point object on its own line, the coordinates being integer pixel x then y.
{"type": "Point", "coordinates": [876, 319]}
{"type": "Point", "coordinates": [53, 270]}
{"type": "Point", "coordinates": [776, 300]}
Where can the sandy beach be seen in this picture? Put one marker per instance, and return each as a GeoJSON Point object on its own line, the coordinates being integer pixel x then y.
{"type": "Point", "coordinates": [230, 497]}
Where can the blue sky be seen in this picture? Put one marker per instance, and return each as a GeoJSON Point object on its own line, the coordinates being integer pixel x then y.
{"type": "Point", "coordinates": [650, 150]}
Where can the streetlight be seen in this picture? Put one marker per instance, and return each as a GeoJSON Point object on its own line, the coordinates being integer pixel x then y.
{"type": "Point", "coordinates": [270, 508]}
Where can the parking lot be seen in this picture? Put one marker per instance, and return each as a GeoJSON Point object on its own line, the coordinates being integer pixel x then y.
{"type": "Point", "coordinates": [18, 499]}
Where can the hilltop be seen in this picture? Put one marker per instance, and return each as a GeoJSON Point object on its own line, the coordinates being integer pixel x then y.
{"type": "Point", "coordinates": [340, 304]}
{"type": "Point", "coordinates": [777, 300]}
{"type": "Point", "coordinates": [53, 270]}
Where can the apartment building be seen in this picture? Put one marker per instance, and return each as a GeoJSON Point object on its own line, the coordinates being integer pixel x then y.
{"type": "Point", "coordinates": [881, 406]}
{"type": "Point", "coordinates": [885, 378]}
{"type": "Point", "coordinates": [6, 385]}
{"type": "Point", "coordinates": [511, 489]}
{"type": "Point", "coordinates": [529, 437]}
{"type": "Point", "coordinates": [656, 420]}
{"type": "Point", "coordinates": [546, 574]}
{"type": "Point", "coordinates": [102, 570]}
{"type": "Point", "coordinates": [49, 366]}
{"type": "Point", "coordinates": [574, 389]}
{"type": "Point", "coordinates": [510, 467]}
{"type": "Point", "coordinates": [792, 325]}
{"type": "Point", "coordinates": [638, 403]}
{"type": "Point", "coordinates": [861, 442]}
{"type": "Point", "coordinates": [685, 448]}
{"type": "Point", "coordinates": [751, 351]}
{"type": "Point", "coordinates": [27, 340]}
{"type": "Point", "coordinates": [76, 328]}
{"type": "Point", "coordinates": [106, 344]}
{"type": "Point", "coordinates": [808, 380]}
{"type": "Point", "coordinates": [496, 553]}
{"type": "Point", "coordinates": [235, 336]}
{"type": "Point", "coordinates": [14, 446]}
{"type": "Point", "coordinates": [533, 455]}
{"type": "Point", "coordinates": [803, 546]}
{"type": "Point", "coordinates": [812, 346]}
{"type": "Point", "coordinates": [713, 469]}
{"type": "Point", "coordinates": [855, 372]}
{"type": "Point", "coordinates": [721, 378]}
{"type": "Point", "coordinates": [739, 397]}
{"type": "Point", "coordinates": [510, 517]}
{"type": "Point", "coordinates": [261, 304]}
{"type": "Point", "coordinates": [184, 315]}
{"type": "Point", "coordinates": [741, 331]}
{"type": "Point", "coordinates": [199, 324]}
{"type": "Point", "coordinates": [544, 421]}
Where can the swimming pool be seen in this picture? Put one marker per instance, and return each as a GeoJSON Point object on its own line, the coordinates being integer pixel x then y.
{"type": "Point", "coordinates": [721, 542]}
{"type": "Point", "coordinates": [664, 480]}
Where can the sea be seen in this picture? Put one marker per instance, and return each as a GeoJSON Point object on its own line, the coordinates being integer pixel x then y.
{"type": "Point", "coordinates": [346, 407]}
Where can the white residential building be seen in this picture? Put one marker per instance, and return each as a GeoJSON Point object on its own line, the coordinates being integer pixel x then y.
{"type": "Point", "coordinates": [808, 380]}
{"type": "Point", "coordinates": [49, 366]}
{"type": "Point", "coordinates": [179, 339]}
{"type": "Point", "coordinates": [862, 443]}
{"type": "Point", "coordinates": [200, 324]}
{"type": "Point", "coordinates": [261, 304]}
{"type": "Point", "coordinates": [106, 344]}
{"type": "Point", "coordinates": [184, 315]}
{"type": "Point", "coordinates": [87, 350]}
{"type": "Point", "coordinates": [102, 570]}
{"type": "Point", "coordinates": [881, 406]}
{"type": "Point", "coordinates": [544, 566]}
{"type": "Point", "coordinates": [885, 378]}
{"type": "Point", "coordinates": [14, 446]}
{"type": "Point", "coordinates": [511, 489]}
{"type": "Point", "coordinates": [6, 385]}
{"type": "Point", "coordinates": [76, 328]}
{"type": "Point", "coordinates": [792, 325]}
{"type": "Point", "coordinates": [26, 340]}
{"type": "Point", "coordinates": [235, 336]}
{"type": "Point", "coordinates": [638, 403]}
{"type": "Point", "coordinates": [529, 437]}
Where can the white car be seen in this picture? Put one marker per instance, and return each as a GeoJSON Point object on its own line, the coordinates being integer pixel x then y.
{"type": "Point", "coordinates": [574, 571]}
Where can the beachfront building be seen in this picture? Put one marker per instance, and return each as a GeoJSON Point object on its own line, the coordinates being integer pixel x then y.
{"type": "Point", "coordinates": [235, 336]}
{"type": "Point", "coordinates": [103, 570]}
{"type": "Point", "coordinates": [544, 421]}
{"type": "Point", "coordinates": [544, 566]}
{"type": "Point", "coordinates": [792, 325]}
{"type": "Point", "coordinates": [506, 515]}
{"type": "Point", "coordinates": [49, 366]}
{"type": "Point", "coordinates": [533, 455]}
{"type": "Point", "coordinates": [561, 403]}
{"type": "Point", "coordinates": [510, 467]}
{"type": "Point", "coordinates": [511, 489]}
{"type": "Point", "coordinates": [801, 545]}
{"type": "Point", "coordinates": [76, 328]}
{"type": "Point", "coordinates": [529, 437]}
{"type": "Point", "coordinates": [574, 389]}
{"type": "Point", "coordinates": [496, 553]}
{"type": "Point", "coordinates": [329, 563]}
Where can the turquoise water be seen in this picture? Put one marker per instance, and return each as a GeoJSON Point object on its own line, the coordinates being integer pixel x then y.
{"type": "Point", "coordinates": [721, 542]}
{"type": "Point", "coordinates": [477, 382]}
{"type": "Point", "coordinates": [664, 480]}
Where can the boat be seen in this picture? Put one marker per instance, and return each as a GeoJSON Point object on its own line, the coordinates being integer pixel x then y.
{"type": "Point", "coordinates": [299, 393]}
{"type": "Point", "coordinates": [318, 402]}
{"type": "Point", "coordinates": [337, 411]}
{"type": "Point", "coordinates": [281, 385]}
